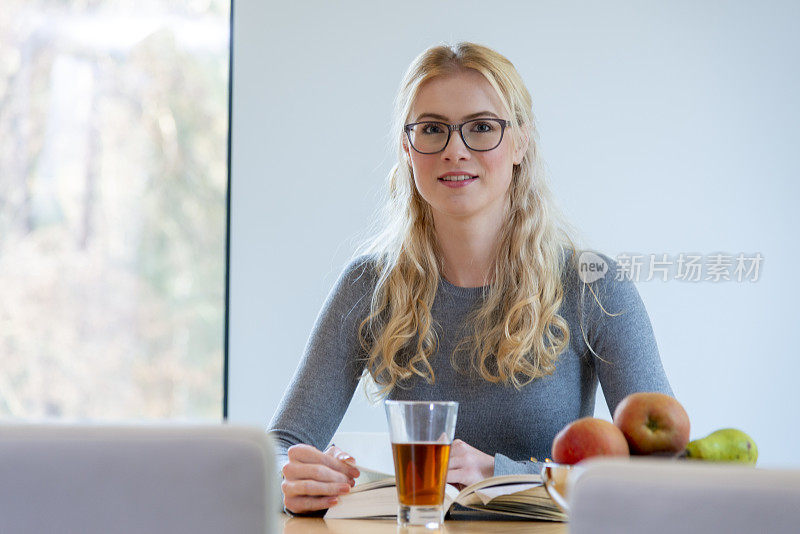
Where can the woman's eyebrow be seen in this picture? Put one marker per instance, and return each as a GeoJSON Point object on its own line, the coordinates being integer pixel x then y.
{"type": "Point", "coordinates": [468, 117]}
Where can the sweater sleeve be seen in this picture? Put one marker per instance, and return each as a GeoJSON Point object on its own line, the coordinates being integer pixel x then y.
{"type": "Point", "coordinates": [620, 333]}
{"type": "Point", "coordinates": [323, 384]}
{"type": "Point", "coordinates": [503, 465]}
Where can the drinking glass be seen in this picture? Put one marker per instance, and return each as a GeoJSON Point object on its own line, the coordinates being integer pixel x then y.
{"type": "Point", "coordinates": [421, 433]}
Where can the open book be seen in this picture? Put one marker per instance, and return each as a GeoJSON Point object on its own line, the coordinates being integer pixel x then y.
{"type": "Point", "coordinates": [520, 496]}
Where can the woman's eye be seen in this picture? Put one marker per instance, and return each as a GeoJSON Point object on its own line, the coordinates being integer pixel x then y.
{"type": "Point", "coordinates": [483, 127]}
{"type": "Point", "coordinates": [431, 129]}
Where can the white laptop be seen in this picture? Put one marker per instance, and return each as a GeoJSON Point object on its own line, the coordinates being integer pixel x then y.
{"type": "Point", "coordinates": [137, 479]}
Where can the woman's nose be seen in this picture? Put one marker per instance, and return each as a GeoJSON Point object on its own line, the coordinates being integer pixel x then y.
{"type": "Point", "coordinates": [455, 149]}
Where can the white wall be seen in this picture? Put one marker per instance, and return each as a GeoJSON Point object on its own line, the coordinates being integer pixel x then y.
{"type": "Point", "coordinates": [667, 128]}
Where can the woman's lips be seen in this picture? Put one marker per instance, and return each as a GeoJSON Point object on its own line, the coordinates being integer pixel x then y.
{"type": "Point", "coordinates": [457, 181]}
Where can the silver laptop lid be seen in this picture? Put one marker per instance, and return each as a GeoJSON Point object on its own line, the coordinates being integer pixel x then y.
{"type": "Point", "coordinates": [137, 479]}
{"type": "Point", "coordinates": [660, 496]}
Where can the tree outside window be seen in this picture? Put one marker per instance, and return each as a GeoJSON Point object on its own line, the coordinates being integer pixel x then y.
{"type": "Point", "coordinates": [113, 140]}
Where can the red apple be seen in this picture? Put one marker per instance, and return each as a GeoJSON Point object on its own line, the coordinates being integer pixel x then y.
{"type": "Point", "coordinates": [588, 437]}
{"type": "Point", "coordinates": [653, 423]}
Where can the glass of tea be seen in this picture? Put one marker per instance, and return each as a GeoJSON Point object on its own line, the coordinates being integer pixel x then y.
{"type": "Point", "coordinates": [421, 433]}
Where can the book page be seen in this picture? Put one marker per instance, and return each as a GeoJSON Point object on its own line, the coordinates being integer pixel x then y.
{"type": "Point", "coordinates": [378, 502]}
{"type": "Point", "coordinates": [492, 492]}
{"type": "Point", "coordinates": [534, 480]}
{"type": "Point", "coordinates": [372, 479]}
{"type": "Point", "coordinates": [450, 496]}
{"type": "Point", "coordinates": [372, 452]}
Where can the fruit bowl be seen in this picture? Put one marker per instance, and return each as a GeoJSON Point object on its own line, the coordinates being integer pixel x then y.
{"type": "Point", "coordinates": [554, 478]}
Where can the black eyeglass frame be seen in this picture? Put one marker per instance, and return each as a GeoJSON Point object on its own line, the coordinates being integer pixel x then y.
{"type": "Point", "coordinates": [452, 128]}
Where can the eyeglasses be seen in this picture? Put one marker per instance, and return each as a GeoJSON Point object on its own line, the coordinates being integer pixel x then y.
{"type": "Point", "coordinates": [480, 135]}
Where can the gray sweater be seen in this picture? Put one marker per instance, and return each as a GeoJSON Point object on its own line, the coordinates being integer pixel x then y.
{"type": "Point", "coordinates": [513, 425]}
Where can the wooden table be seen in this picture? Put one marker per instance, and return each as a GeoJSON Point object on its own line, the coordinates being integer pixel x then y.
{"type": "Point", "coordinates": [315, 525]}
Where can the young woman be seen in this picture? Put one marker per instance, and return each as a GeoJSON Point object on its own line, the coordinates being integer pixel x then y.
{"type": "Point", "coordinates": [470, 292]}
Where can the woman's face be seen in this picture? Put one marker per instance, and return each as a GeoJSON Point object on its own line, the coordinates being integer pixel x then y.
{"type": "Point", "coordinates": [454, 99]}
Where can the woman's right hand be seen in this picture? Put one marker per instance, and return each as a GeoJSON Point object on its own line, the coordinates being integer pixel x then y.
{"type": "Point", "coordinates": [312, 480]}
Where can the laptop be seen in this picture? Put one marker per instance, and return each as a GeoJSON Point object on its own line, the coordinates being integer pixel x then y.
{"type": "Point", "coordinates": [660, 496]}
{"type": "Point", "coordinates": [130, 479]}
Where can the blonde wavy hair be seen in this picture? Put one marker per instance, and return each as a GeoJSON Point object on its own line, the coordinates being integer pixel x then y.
{"type": "Point", "coordinates": [517, 333]}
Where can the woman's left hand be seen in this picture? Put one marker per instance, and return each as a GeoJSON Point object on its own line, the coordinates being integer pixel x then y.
{"type": "Point", "coordinates": [468, 465]}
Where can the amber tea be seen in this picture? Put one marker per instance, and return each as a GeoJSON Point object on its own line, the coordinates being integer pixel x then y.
{"type": "Point", "coordinates": [421, 470]}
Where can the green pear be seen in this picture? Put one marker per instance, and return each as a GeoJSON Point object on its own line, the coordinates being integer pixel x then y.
{"type": "Point", "coordinates": [725, 445]}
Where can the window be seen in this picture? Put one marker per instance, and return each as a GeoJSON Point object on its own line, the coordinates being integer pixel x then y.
{"type": "Point", "coordinates": [113, 179]}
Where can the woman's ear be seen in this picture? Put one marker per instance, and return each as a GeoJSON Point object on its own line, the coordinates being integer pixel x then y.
{"type": "Point", "coordinates": [407, 152]}
{"type": "Point", "coordinates": [521, 148]}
